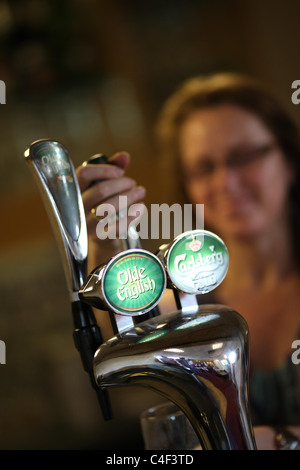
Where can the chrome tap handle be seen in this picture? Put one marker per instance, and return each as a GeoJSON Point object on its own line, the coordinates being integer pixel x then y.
{"type": "Point", "coordinates": [54, 172]}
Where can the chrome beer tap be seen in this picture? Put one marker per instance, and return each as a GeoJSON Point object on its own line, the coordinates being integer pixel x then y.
{"type": "Point", "coordinates": [199, 361]}
{"type": "Point", "coordinates": [55, 175]}
{"type": "Point", "coordinates": [197, 357]}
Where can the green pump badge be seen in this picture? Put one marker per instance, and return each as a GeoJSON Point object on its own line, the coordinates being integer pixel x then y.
{"type": "Point", "coordinates": [196, 262]}
{"type": "Point", "coordinates": [133, 282]}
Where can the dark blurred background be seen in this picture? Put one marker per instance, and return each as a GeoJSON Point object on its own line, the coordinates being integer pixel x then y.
{"type": "Point", "coordinates": [93, 75]}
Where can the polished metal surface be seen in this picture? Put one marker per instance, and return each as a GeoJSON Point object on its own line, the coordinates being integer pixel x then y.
{"type": "Point", "coordinates": [198, 360]}
{"type": "Point", "coordinates": [55, 174]}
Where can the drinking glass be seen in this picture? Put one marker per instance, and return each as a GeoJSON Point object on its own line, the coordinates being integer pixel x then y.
{"type": "Point", "coordinates": [165, 427]}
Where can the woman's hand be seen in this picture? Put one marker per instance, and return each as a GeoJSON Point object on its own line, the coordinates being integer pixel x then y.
{"type": "Point", "coordinates": [265, 436]}
{"type": "Point", "coordinates": [104, 183]}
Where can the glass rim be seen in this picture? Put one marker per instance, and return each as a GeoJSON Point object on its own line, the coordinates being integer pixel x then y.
{"type": "Point", "coordinates": [164, 410]}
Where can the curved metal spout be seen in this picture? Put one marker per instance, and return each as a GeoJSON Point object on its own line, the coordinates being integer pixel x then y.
{"type": "Point", "coordinates": [198, 360]}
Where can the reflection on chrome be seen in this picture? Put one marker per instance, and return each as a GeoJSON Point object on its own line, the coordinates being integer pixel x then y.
{"type": "Point", "coordinates": [199, 361]}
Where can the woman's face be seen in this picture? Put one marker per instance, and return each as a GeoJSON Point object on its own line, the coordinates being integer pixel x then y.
{"type": "Point", "coordinates": [232, 164]}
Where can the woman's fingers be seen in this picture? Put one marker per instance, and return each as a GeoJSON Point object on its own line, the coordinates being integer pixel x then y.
{"type": "Point", "coordinates": [114, 227]}
{"type": "Point", "coordinates": [120, 159]}
{"type": "Point", "coordinates": [87, 175]}
{"type": "Point", "coordinates": [122, 201]}
{"type": "Point", "coordinates": [111, 210]}
{"type": "Point", "coordinates": [101, 186]}
{"type": "Point", "coordinates": [102, 192]}
{"type": "Point", "coordinates": [117, 226]}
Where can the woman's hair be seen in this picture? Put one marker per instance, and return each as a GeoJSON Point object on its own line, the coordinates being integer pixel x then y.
{"type": "Point", "coordinates": [226, 88]}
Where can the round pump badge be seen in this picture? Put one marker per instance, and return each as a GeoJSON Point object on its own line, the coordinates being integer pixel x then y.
{"type": "Point", "coordinates": [133, 282]}
{"type": "Point", "coordinates": [197, 262]}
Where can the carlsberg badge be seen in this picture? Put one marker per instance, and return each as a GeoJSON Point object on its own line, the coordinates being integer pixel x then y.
{"type": "Point", "coordinates": [133, 282]}
{"type": "Point", "coordinates": [197, 262]}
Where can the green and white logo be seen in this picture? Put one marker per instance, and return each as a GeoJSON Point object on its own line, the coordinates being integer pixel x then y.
{"type": "Point", "coordinates": [133, 282]}
{"type": "Point", "coordinates": [197, 262]}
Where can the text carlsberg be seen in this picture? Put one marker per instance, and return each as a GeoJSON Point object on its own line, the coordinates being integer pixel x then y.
{"type": "Point", "coordinates": [182, 265]}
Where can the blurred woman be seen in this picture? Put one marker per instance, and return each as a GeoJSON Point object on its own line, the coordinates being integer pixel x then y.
{"type": "Point", "coordinates": [238, 153]}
